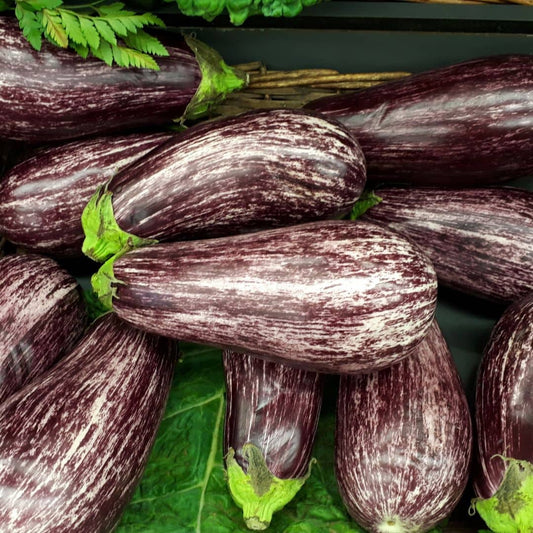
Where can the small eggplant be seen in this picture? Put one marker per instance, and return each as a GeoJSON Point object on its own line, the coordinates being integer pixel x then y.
{"type": "Point", "coordinates": [74, 442]}
{"type": "Point", "coordinates": [480, 240]}
{"type": "Point", "coordinates": [333, 296]}
{"type": "Point", "coordinates": [403, 441]}
{"type": "Point", "coordinates": [469, 123]}
{"type": "Point", "coordinates": [42, 316]}
{"type": "Point", "coordinates": [254, 171]}
{"type": "Point", "coordinates": [42, 198]}
{"type": "Point", "coordinates": [55, 94]}
{"type": "Point", "coordinates": [503, 479]}
{"type": "Point", "coordinates": [272, 413]}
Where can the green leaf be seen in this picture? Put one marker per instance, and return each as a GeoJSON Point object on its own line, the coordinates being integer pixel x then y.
{"type": "Point", "coordinates": [31, 26]}
{"type": "Point", "coordinates": [105, 31]}
{"type": "Point", "coordinates": [184, 487]}
{"type": "Point", "coordinates": [111, 9]}
{"type": "Point", "coordinates": [4, 5]}
{"type": "Point", "coordinates": [144, 42]}
{"type": "Point", "coordinates": [104, 52]}
{"type": "Point", "coordinates": [53, 27]}
{"type": "Point", "coordinates": [127, 57]}
{"type": "Point", "coordinates": [71, 23]}
{"type": "Point", "coordinates": [91, 35]}
{"type": "Point", "coordinates": [117, 26]}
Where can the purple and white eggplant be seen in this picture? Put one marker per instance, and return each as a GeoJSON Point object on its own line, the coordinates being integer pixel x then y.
{"type": "Point", "coordinates": [503, 479]}
{"type": "Point", "coordinates": [54, 94]}
{"type": "Point", "coordinates": [333, 296]}
{"type": "Point", "coordinates": [257, 170]}
{"type": "Point", "coordinates": [272, 413]}
{"type": "Point", "coordinates": [74, 443]}
{"type": "Point", "coordinates": [42, 198]}
{"type": "Point", "coordinates": [403, 441]}
{"type": "Point", "coordinates": [42, 315]}
{"type": "Point", "coordinates": [467, 123]}
{"type": "Point", "coordinates": [480, 240]}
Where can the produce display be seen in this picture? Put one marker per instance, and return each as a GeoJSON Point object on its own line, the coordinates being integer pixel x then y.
{"type": "Point", "coordinates": [249, 272]}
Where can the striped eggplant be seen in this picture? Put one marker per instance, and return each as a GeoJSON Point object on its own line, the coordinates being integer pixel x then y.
{"type": "Point", "coordinates": [480, 240]}
{"type": "Point", "coordinates": [42, 198]}
{"type": "Point", "coordinates": [403, 441]}
{"type": "Point", "coordinates": [332, 296]}
{"type": "Point", "coordinates": [467, 123]}
{"type": "Point", "coordinates": [42, 316]}
{"type": "Point", "coordinates": [503, 479]}
{"type": "Point", "coordinates": [74, 443]}
{"type": "Point", "coordinates": [54, 94]}
{"type": "Point", "coordinates": [272, 413]}
{"type": "Point", "coordinates": [258, 169]}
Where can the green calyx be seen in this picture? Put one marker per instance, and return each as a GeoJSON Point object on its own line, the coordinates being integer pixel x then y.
{"type": "Point", "coordinates": [218, 80]}
{"type": "Point", "coordinates": [510, 509]}
{"type": "Point", "coordinates": [103, 236]}
{"type": "Point", "coordinates": [258, 492]}
{"type": "Point", "coordinates": [366, 201]}
{"type": "Point", "coordinates": [104, 284]}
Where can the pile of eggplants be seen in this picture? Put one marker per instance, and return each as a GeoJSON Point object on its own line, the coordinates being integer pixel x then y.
{"type": "Point", "coordinates": [236, 233]}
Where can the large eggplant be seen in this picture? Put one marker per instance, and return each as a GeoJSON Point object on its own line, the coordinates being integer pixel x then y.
{"type": "Point", "coordinates": [503, 480]}
{"type": "Point", "coordinates": [403, 441]}
{"type": "Point", "coordinates": [42, 198]}
{"type": "Point", "coordinates": [331, 296]}
{"type": "Point", "coordinates": [272, 413]}
{"type": "Point", "coordinates": [42, 315]}
{"type": "Point", "coordinates": [74, 443]}
{"type": "Point", "coordinates": [259, 169]}
{"type": "Point", "coordinates": [480, 240]}
{"type": "Point", "coordinates": [54, 94]}
{"type": "Point", "coordinates": [467, 123]}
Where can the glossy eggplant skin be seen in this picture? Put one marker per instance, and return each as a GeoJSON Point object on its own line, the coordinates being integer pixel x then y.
{"type": "Point", "coordinates": [257, 170]}
{"type": "Point", "coordinates": [273, 406]}
{"type": "Point", "coordinates": [504, 402]}
{"type": "Point", "coordinates": [469, 123]}
{"type": "Point", "coordinates": [403, 441]}
{"type": "Point", "coordinates": [42, 316]}
{"type": "Point", "coordinates": [480, 240]}
{"type": "Point", "coordinates": [42, 198]}
{"type": "Point", "coordinates": [332, 296]}
{"type": "Point", "coordinates": [74, 443]}
{"type": "Point", "coordinates": [54, 94]}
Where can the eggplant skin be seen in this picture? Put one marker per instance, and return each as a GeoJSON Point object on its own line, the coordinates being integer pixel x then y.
{"type": "Point", "coordinates": [504, 402]}
{"type": "Point", "coordinates": [480, 240]}
{"type": "Point", "coordinates": [470, 123]}
{"type": "Point", "coordinates": [54, 94]}
{"type": "Point", "coordinates": [274, 406]}
{"type": "Point", "coordinates": [256, 170]}
{"type": "Point", "coordinates": [74, 443]}
{"type": "Point", "coordinates": [42, 198]}
{"type": "Point", "coordinates": [403, 441]}
{"type": "Point", "coordinates": [332, 296]}
{"type": "Point", "coordinates": [42, 316]}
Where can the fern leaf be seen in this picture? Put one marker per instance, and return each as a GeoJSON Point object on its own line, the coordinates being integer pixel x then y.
{"type": "Point", "coordinates": [53, 28]}
{"type": "Point", "coordinates": [71, 23]}
{"type": "Point", "coordinates": [30, 25]}
{"type": "Point", "coordinates": [127, 57]}
{"type": "Point", "coordinates": [117, 26]}
{"type": "Point", "coordinates": [104, 52]}
{"type": "Point", "coordinates": [105, 30]}
{"type": "Point", "coordinates": [146, 43]}
{"type": "Point", "coordinates": [90, 33]}
{"type": "Point", "coordinates": [81, 50]}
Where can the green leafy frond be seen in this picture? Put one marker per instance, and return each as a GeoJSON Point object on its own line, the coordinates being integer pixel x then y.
{"type": "Point", "coordinates": [146, 43]}
{"type": "Point", "coordinates": [53, 27]}
{"type": "Point", "coordinates": [127, 57]}
{"type": "Point", "coordinates": [31, 25]}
